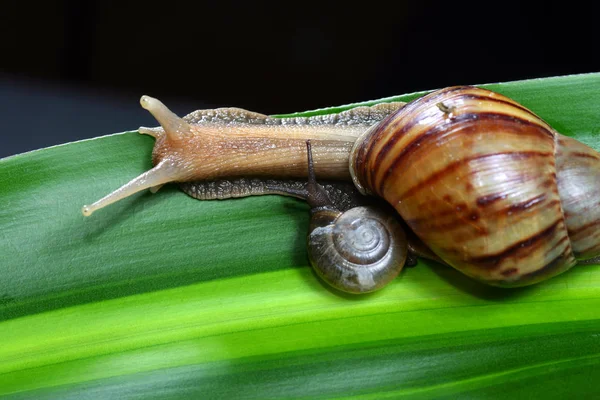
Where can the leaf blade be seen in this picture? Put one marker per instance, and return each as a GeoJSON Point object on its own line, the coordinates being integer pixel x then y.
{"type": "Point", "coordinates": [123, 303]}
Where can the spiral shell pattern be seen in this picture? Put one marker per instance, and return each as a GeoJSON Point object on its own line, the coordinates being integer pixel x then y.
{"type": "Point", "coordinates": [473, 174]}
{"type": "Point", "coordinates": [358, 251]}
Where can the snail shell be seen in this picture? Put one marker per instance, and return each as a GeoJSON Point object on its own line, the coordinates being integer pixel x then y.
{"type": "Point", "coordinates": [491, 188]}
{"type": "Point", "coordinates": [358, 251]}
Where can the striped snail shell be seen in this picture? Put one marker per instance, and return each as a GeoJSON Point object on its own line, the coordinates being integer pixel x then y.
{"type": "Point", "coordinates": [356, 251]}
{"type": "Point", "coordinates": [492, 189]}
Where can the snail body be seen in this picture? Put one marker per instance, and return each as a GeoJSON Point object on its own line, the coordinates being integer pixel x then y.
{"type": "Point", "coordinates": [487, 186]}
{"type": "Point", "coordinates": [232, 143]}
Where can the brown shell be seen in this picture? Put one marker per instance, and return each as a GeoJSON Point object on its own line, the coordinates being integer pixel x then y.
{"type": "Point", "coordinates": [578, 175]}
{"type": "Point", "coordinates": [473, 174]}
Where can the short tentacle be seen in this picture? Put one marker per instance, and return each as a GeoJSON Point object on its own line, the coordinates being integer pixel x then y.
{"type": "Point", "coordinates": [170, 122]}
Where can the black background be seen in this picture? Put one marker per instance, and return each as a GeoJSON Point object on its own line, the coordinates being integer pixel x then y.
{"type": "Point", "coordinates": [76, 69]}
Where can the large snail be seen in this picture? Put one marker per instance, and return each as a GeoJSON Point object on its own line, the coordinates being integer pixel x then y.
{"type": "Point", "coordinates": [485, 184]}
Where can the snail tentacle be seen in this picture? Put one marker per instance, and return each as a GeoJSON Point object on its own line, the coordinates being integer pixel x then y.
{"type": "Point", "coordinates": [162, 173]}
{"type": "Point", "coordinates": [316, 196]}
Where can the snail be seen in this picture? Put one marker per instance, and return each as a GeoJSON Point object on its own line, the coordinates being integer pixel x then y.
{"type": "Point", "coordinates": [487, 186]}
{"type": "Point", "coordinates": [356, 251]}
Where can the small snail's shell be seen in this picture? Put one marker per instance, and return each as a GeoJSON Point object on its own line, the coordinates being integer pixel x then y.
{"type": "Point", "coordinates": [474, 174]}
{"type": "Point", "coordinates": [358, 251]}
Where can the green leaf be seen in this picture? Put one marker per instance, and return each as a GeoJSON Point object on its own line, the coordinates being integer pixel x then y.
{"type": "Point", "coordinates": [163, 296]}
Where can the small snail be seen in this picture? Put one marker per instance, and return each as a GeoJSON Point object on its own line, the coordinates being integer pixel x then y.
{"type": "Point", "coordinates": [485, 184]}
{"type": "Point", "coordinates": [356, 251]}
